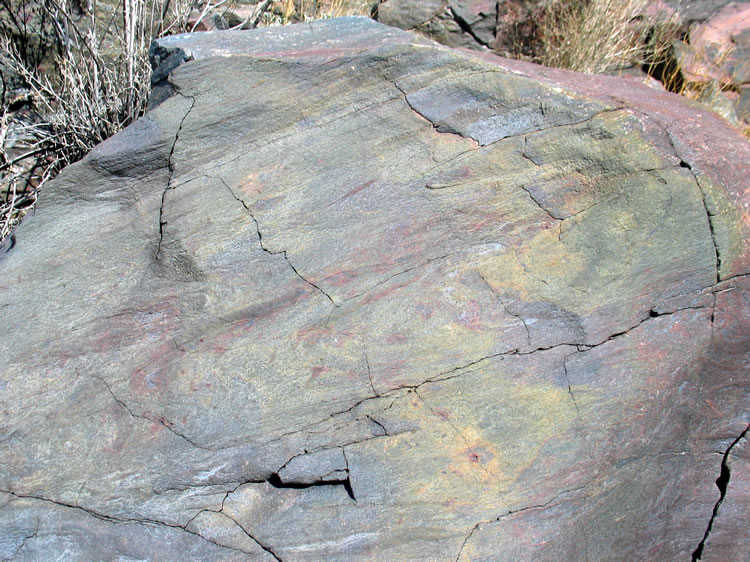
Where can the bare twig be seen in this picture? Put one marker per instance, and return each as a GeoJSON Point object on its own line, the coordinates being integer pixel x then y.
{"type": "Point", "coordinates": [262, 7]}
{"type": "Point", "coordinates": [21, 158]}
{"type": "Point", "coordinates": [203, 14]}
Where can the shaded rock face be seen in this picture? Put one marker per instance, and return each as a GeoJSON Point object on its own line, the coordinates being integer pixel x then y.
{"type": "Point", "coordinates": [346, 294]}
{"type": "Point", "coordinates": [505, 27]}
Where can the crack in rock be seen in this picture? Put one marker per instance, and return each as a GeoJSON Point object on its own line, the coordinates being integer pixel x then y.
{"type": "Point", "coordinates": [384, 281]}
{"type": "Point", "coordinates": [24, 540]}
{"type": "Point", "coordinates": [221, 511]}
{"type": "Point", "coordinates": [461, 370]}
{"type": "Point", "coordinates": [369, 374]}
{"type": "Point", "coordinates": [282, 253]}
{"type": "Point", "coordinates": [119, 520]}
{"type": "Point", "coordinates": [505, 308]}
{"type": "Point", "coordinates": [188, 486]}
{"type": "Point", "coordinates": [542, 207]}
{"type": "Point", "coordinates": [468, 538]}
{"type": "Point", "coordinates": [264, 547]}
{"type": "Point", "coordinates": [558, 126]}
{"type": "Point", "coordinates": [338, 446]}
{"type": "Point", "coordinates": [378, 424]}
{"type": "Point", "coordinates": [170, 167]}
{"type": "Point", "coordinates": [722, 483]}
{"type": "Point", "coordinates": [440, 128]}
{"type": "Point", "coordinates": [685, 164]}
{"type": "Point", "coordinates": [709, 214]}
{"type": "Point", "coordinates": [567, 379]}
{"type": "Point", "coordinates": [516, 511]}
{"type": "Point", "coordinates": [153, 419]}
{"type": "Point", "coordinates": [466, 28]}
{"type": "Point", "coordinates": [276, 481]}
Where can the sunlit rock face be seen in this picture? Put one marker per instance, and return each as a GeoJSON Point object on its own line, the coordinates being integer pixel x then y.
{"type": "Point", "coordinates": [347, 294]}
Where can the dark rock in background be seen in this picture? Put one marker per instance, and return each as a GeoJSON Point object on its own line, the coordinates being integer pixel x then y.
{"type": "Point", "coordinates": [505, 27]}
{"type": "Point", "coordinates": [406, 14]}
{"type": "Point", "coordinates": [347, 294]}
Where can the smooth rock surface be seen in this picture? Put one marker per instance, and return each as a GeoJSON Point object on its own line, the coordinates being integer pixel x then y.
{"type": "Point", "coordinates": [347, 294]}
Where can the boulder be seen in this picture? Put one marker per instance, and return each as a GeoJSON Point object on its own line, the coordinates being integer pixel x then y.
{"type": "Point", "coordinates": [505, 27]}
{"type": "Point", "coordinates": [716, 61]}
{"type": "Point", "coordinates": [349, 294]}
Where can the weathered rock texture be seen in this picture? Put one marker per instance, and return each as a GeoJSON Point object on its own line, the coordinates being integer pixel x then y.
{"type": "Point", "coordinates": [350, 295]}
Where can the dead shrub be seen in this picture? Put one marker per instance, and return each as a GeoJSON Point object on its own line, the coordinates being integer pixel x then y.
{"type": "Point", "coordinates": [84, 75]}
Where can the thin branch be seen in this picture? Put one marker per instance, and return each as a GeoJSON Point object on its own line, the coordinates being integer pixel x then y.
{"type": "Point", "coordinates": [261, 10]}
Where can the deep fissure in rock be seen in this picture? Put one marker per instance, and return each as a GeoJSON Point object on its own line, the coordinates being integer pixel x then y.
{"type": "Point", "coordinates": [722, 483]}
{"type": "Point", "coordinates": [170, 167]}
{"type": "Point", "coordinates": [466, 28]}
{"type": "Point", "coordinates": [276, 481]}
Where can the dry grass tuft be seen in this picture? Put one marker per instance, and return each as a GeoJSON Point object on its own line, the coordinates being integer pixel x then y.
{"type": "Point", "coordinates": [309, 10]}
{"type": "Point", "coordinates": [601, 36]}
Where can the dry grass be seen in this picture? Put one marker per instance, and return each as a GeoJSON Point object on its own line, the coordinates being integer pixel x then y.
{"type": "Point", "coordinates": [604, 36]}
{"type": "Point", "coordinates": [601, 36]}
{"type": "Point", "coordinates": [308, 10]}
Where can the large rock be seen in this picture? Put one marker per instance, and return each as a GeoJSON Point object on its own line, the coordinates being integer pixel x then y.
{"type": "Point", "coordinates": [716, 62]}
{"type": "Point", "coordinates": [346, 294]}
{"type": "Point", "coordinates": [505, 27]}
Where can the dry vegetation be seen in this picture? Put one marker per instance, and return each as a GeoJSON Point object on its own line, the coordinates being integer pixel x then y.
{"type": "Point", "coordinates": [83, 74]}
{"type": "Point", "coordinates": [595, 37]}
{"type": "Point", "coordinates": [305, 10]}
